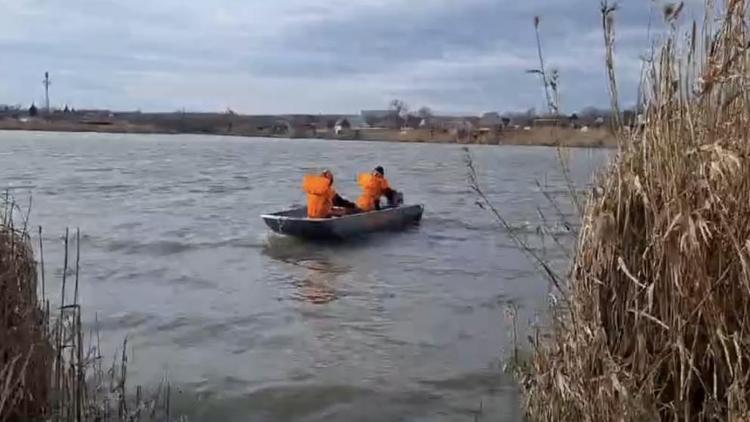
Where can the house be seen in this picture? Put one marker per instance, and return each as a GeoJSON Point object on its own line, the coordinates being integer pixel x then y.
{"type": "Point", "coordinates": [549, 122]}
{"type": "Point", "coordinates": [450, 123]}
{"type": "Point", "coordinates": [356, 121]}
{"type": "Point", "coordinates": [282, 127]}
{"type": "Point", "coordinates": [342, 125]}
{"type": "Point", "coordinates": [491, 120]}
{"type": "Point", "coordinates": [308, 130]}
{"type": "Point", "coordinates": [97, 117]}
{"type": "Point", "coordinates": [301, 119]}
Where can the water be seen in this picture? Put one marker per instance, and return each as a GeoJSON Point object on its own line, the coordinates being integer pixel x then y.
{"type": "Point", "coordinates": [256, 327]}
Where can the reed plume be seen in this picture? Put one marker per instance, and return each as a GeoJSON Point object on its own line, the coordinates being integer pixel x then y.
{"type": "Point", "coordinates": [657, 318]}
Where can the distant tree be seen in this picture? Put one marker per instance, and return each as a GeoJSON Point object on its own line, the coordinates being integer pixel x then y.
{"type": "Point", "coordinates": [330, 124]}
{"type": "Point", "coordinates": [412, 121]}
{"type": "Point", "coordinates": [506, 121]}
{"type": "Point", "coordinates": [372, 120]}
{"type": "Point", "coordinates": [425, 116]}
{"type": "Point", "coordinates": [592, 113]}
{"type": "Point", "coordinates": [66, 109]}
{"type": "Point", "coordinates": [399, 107]}
{"type": "Point", "coordinates": [573, 121]}
{"type": "Point", "coordinates": [425, 113]}
{"type": "Point", "coordinates": [399, 113]}
{"type": "Point", "coordinates": [33, 111]}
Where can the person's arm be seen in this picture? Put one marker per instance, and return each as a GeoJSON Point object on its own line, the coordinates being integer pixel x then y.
{"type": "Point", "coordinates": [389, 193]}
{"type": "Point", "coordinates": [338, 201]}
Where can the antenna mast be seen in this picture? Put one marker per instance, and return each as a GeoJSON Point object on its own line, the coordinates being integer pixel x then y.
{"type": "Point", "coordinates": [46, 82]}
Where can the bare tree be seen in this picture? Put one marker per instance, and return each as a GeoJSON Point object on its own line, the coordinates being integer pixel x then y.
{"type": "Point", "coordinates": [425, 113]}
{"type": "Point", "coordinates": [400, 108]}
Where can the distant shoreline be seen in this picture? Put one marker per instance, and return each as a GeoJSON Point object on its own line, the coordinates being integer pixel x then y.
{"type": "Point", "coordinates": [534, 136]}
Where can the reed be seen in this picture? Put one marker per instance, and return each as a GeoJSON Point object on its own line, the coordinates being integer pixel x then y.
{"type": "Point", "coordinates": [656, 322]}
{"type": "Point", "coordinates": [47, 371]}
{"type": "Point", "coordinates": [25, 350]}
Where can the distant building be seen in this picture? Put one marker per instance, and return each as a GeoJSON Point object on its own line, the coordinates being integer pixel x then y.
{"type": "Point", "coordinates": [341, 126]}
{"type": "Point", "coordinates": [261, 124]}
{"type": "Point", "coordinates": [412, 122]}
{"type": "Point", "coordinates": [453, 123]}
{"type": "Point", "coordinates": [549, 122]}
{"type": "Point", "coordinates": [282, 127]}
{"type": "Point", "coordinates": [301, 119]}
{"type": "Point", "coordinates": [97, 117]}
{"type": "Point", "coordinates": [491, 120]}
{"type": "Point", "coordinates": [357, 121]}
{"type": "Point", "coordinates": [376, 118]}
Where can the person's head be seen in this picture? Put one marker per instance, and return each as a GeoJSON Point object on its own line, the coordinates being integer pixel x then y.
{"type": "Point", "coordinates": [379, 171]}
{"type": "Point", "coordinates": [328, 175]}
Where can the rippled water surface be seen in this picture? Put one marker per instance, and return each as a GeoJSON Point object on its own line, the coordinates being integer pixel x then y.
{"type": "Point", "coordinates": [255, 327]}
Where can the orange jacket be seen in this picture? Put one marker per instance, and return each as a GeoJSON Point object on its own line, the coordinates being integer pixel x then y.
{"type": "Point", "coordinates": [320, 194]}
{"type": "Point", "coordinates": [373, 187]}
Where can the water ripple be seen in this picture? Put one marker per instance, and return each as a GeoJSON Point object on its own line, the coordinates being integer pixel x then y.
{"type": "Point", "coordinates": [398, 326]}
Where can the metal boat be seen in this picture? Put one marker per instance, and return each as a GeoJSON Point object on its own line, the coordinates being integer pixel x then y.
{"type": "Point", "coordinates": [295, 222]}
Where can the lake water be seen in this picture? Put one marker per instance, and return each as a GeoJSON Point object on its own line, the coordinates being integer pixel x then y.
{"type": "Point", "coordinates": [255, 327]}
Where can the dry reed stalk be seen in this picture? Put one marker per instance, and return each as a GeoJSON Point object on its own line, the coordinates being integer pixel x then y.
{"type": "Point", "coordinates": [658, 326]}
{"type": "Point", "coordinates": [550, 82]}
{"type": "Point", "coordinates": [45, 372]}
{"type": "Point", "coordinates": [25, 352]}
{"type": "Point", "coordinates": [86, 391]}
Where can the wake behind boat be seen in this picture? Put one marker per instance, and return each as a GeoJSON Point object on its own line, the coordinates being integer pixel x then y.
{"type": "Point", "coordinates": [295, 222]}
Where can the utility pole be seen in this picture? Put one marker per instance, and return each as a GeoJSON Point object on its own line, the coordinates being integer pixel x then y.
{"type": "Point", "coordinates": [46, 82]}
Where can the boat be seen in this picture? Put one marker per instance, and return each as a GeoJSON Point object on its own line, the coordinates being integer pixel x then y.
{"type": "Point", "coordinates": [295, 222]}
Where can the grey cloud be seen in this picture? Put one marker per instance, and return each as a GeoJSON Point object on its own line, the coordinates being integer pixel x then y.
{"type": "Point", "coordinates": [450, 54]}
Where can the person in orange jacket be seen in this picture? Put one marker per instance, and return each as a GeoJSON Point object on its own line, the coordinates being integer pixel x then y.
{"type": "Point", "coordinates": [374, 185]}
{"type": "Point", "coordinates": [322, 196]}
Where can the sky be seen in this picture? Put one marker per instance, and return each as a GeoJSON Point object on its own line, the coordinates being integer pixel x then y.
{"type": "Point", "coordinates": [313, 56]}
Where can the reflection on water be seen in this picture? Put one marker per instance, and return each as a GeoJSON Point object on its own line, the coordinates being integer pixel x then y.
{"type": "Point", "coordinates": [252, 326]}
{"type": "Point", "coordinates": [316, 278]}
{"type": "Point", "coordinates": [316, 289]}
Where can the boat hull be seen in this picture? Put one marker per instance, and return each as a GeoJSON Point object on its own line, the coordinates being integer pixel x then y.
{"type": "Point", "coordinates": [295, 222]}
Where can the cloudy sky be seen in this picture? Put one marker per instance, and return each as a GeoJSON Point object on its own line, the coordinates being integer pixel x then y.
{"type": "Point", "coordinates": [311, 56]}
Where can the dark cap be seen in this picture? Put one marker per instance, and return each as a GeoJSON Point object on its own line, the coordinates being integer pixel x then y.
{"type": "Point", "coordinates": [380, 170]}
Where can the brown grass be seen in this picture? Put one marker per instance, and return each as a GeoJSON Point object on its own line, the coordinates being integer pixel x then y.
{"type": "Point", "coordinates": [536, 136]}
{"type": "Point", "coordinates": [25, 350]}
{"type": "Point", "coordinates": [562, 137]}
{"type": "Point", "coordinates": [46, 370]}
{"type": "Point", "coordinates": [657, 318]}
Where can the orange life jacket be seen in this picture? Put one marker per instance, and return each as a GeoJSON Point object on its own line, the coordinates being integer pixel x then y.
{"type": "Point", "coordinates": [373, 187]}
{"type": "Point", "coordinates": [320, 193]}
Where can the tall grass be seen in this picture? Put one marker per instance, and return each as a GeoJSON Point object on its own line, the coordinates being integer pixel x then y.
{"type": "Point", "coordinates": [657, 322]}
{"type": "Point", "coordinates": [48, 371]}
{"type": "Point", "coordinates": [26, 352]}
